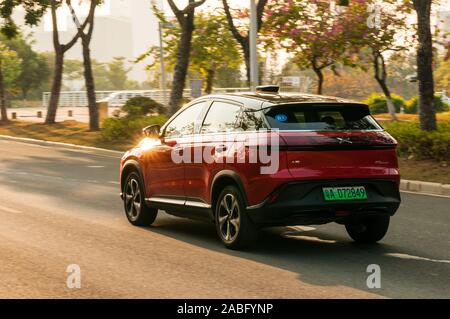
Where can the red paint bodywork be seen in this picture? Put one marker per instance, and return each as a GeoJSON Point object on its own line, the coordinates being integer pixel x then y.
{"type": "Point", "coordinates": [303, 156]}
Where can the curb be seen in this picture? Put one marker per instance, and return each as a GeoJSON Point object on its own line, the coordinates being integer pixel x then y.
{"type": "Point", "coordinates": [415, 187]}
{"type": "Point", "coordinates": [427, 188]}
{"type": "Point", "coordinates": [60, 144]}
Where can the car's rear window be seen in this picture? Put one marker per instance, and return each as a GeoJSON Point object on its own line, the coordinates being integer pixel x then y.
{"type": "Point", "coordinates": [318, 117]}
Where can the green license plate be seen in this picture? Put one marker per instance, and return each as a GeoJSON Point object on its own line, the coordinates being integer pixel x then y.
{"type": "Point", "coordinates": [345, 193]}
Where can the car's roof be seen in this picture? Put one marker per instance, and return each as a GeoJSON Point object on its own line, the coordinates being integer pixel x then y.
{"type": "Point", "coordinates": [258, 100]}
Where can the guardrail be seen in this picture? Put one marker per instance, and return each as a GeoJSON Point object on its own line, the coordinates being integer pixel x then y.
{"type": "Point", "coordinates": [118, 98]}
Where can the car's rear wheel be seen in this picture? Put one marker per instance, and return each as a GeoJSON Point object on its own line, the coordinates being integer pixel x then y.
{"type": "Point", "coordinates": [137, 211]}
{"type": "Point", "coordinates": [370, 229]}
{"type": "Point", "coordinates": [234, 227]}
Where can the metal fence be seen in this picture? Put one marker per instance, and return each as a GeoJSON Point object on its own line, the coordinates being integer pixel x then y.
{"type": "Point", "coordinates": [118, 98]}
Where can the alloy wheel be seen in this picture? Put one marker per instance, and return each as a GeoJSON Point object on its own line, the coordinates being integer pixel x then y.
{"type": "Point", "coordinates": [133, 199]}
{"type": "Point", "coordinates": [229, 218]}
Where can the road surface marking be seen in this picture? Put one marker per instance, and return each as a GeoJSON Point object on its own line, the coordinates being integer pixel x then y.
{"type": "Point", "coordinates": [10, 210]}
{"type": "Point", "coordinates": [406, 256]}
{"type": "Point", "coordinates": [302, 228]}
{"type": "Point", "coordinates": [308, 238]}
{"type": "Point", "coordinates": [96, 166]}
{"type": "Point", "coordinates": [425, 194]}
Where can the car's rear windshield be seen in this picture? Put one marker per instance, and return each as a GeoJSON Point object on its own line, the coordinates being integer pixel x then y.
{"type": "Point", "coordinates": [318, 117]}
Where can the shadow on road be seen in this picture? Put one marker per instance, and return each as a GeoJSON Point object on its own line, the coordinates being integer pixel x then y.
{"type": "Point", "coordinates": [325, 258]}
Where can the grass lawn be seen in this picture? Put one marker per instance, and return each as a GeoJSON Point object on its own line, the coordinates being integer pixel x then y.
{"type": "Point", "coordinates": [71, 132]}
{"type": "Point", "coordinates": [77, 133]}
{"type": "Point", "coordinates": [441, 117]}
{"type": "Point", "coordinates": [424, 170]}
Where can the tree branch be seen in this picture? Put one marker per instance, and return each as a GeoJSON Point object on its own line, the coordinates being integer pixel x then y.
{"type": "Point", "coordinates": [91, 18]}
{"type": "Point", "coordinates": [241, 39]}
{"type": "Point", "coordinates": [80, 32]}
{"type": "Point", "coordinates": [177, 12]}
{"type": "Point", "coordinates": [260, 12]}
{"type": "Point", "coordinates": [56, 42]}
{"type": "Point", "coordinates": [376, 65]}
{"type": "Point", "coordinates": [191, 6]}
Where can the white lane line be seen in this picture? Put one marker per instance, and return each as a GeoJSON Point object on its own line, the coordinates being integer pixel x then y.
{"type": "Point", "coordinates": [96, 166]}
{"type": "Point", "coordinates": [410, 257]}
{"type": "Point", "coordinates": [114, 183]}
{"type": "Point", "coordinates": [302, 228]}
{"type": "Point", "coordinates": [425, 194]}
{"type": "Point", "coordinates": [10, 210]}
{"type": "Point", "coordinates": [313, 239]}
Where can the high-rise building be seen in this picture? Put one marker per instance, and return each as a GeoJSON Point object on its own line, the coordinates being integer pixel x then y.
{"type": "Point", "coordinates": [123, 28]}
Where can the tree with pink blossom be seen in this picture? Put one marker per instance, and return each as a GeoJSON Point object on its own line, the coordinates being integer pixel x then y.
{"type": "Point", "coordinates": [311, 32]}
{"type": "Point", "coordinates": [378, 31]}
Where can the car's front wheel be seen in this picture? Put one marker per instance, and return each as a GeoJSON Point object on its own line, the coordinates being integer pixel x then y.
{"type": "Point", "coordinates": [137, 211]}
{"type": "Point", "coordinates": [370, 229]}
{"type": "Point", "coordinates": [234, 227]}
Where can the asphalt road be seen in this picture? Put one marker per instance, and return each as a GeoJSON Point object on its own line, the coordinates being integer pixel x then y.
{"type": "Point", "coordinates": [60, 207]}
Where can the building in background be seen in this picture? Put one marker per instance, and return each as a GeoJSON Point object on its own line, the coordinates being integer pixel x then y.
{"type": "Point", "coordinates": [123, 28]}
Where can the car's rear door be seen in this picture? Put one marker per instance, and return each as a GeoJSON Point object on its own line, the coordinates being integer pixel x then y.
{"type": "Point", "coordinates": [209, 149]}
{"type": "Point", "coordinates": [164, 173]}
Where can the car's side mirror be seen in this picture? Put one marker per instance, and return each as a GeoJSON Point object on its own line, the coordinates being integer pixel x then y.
{"type": "Point", "coordinates": [152, 131]}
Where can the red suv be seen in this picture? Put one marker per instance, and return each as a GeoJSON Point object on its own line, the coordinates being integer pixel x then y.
{"type": "Point", "coordinates": [252, 160]}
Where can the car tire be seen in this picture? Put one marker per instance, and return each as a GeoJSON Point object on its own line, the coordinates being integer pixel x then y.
{"type": "Point", "coordinates": [368, 230]}
{"type": "Point", "coordinates": [136, 209]}
{"type": "Point", "coordinates": [234, 227]}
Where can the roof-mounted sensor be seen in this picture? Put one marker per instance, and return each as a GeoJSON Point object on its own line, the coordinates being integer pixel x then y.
{"type": "Point", "coordinates": [268, 89]}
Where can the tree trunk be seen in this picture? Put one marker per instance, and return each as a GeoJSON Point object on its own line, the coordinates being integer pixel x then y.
{"type": "Point", "coordinates": [319, 74]}
{"type": "Point", "coordinates": [181, 68]}
{"type": "Point", "coordinates": [246, 49]}
{"type": "Point", "coordinates": [425, 66]}
{"type": "Point", "coordinates": [210, 81]}
{"type": "Point", "coordinates": [56, 87]}
{"type": "Point", "coordinates": [389, 102]}
{"type": "Point", "coordinates": [90, 88]}
{"type": "Point", "coordinates": [244, 41]}
{"type": "Point", "coordinates": [381, 75]}
{"type": "Point", "coordinates": [3, 95]}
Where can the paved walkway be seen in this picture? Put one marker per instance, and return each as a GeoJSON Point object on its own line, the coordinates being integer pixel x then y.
{"type": "Point", "coordinates": [80, 114]}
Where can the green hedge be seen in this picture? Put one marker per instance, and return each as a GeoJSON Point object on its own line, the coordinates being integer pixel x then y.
{"type": "Point", "coordinates": [141, 105]}
{"type": "Point", "coordinates": [128, 128]}
{"type": "Point", "coordinates": [420, 144]}
{"type": "Point", "coordinates": [412, 105]}
{"type": "Point", "coordinates": [377, 103]}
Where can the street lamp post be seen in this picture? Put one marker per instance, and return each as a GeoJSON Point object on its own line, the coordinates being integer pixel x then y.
{"type": "Point", "coordinates": [163, 67]}
{"type": "Point", "coordinates": [161, 52]}
{"type": "Point", "coordinates": [254, 67]}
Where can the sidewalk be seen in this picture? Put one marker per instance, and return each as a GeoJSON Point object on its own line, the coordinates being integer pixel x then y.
{"type": "Point", "coordinates": [425, 187]}
{"type": "Point", "coordinates": [80, 114]}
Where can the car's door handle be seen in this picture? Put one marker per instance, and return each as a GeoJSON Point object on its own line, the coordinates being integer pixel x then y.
{"type": "Point", "coordinates": [179, 151]}
{"type": "Point", "coordinates": [221, 148]}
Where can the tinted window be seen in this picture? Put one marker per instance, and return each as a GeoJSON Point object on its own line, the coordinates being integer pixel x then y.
{"type": "Point", "coordinates": [186, 122]}
{"type": "Point", "coordinates": [322, 118]}
{"type": "Point", "coordinates": [222, 117]}
{"type": "Point", "coordinates": [252, 121]}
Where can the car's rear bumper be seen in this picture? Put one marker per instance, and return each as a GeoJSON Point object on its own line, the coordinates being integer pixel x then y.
{"type": "Point", "coordinates": [303, 203]}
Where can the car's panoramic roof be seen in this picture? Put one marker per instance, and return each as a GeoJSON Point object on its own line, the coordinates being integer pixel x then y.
{"type": "Point", "coordinates": [256, 100]}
